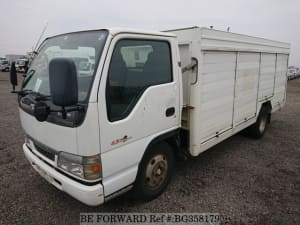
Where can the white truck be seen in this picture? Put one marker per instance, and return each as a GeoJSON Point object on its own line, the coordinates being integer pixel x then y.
{"type": "Point", "coordinates": [21, 65]}
{"type": "Point", "coordinates": [293, 72]}
{"type": "Point", "coordinates": [150, 97]}
{"type": "Point", "coordinates": [4, 64]}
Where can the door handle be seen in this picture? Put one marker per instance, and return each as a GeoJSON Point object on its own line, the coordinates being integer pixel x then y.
{"type": "Point", "coordinates": [170, 111]}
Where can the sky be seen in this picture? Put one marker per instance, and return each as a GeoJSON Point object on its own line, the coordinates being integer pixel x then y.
{"type": "Point", "coordinates": [22, 21]}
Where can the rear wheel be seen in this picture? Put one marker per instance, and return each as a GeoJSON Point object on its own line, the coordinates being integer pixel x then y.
{"type": "Point", "coordinates": [258, 129]}
{"type": "Point", "coordinates": [155, 171]}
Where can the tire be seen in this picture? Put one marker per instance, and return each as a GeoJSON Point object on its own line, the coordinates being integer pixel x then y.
{"type": "Point", "coordinates": [258, 129]}
{"type": "Point", "coordinates": [155, 172]}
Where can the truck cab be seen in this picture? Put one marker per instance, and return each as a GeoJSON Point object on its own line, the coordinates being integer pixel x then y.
{"type": "Point", "coordinates": [100, 110]}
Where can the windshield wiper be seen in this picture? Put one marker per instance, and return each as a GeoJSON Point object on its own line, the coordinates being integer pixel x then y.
{"type": "Point", "coordinates": [41, 97]}
{"type": "Point", "coordinates": [24, 92]}
{"type": "Point", "coordinates": [28, 77]}
{"type": "Point", "coordinates": [38, 96]}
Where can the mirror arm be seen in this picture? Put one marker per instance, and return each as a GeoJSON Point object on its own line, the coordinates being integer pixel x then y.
{"type": "Point", "coordinates": [64, 111]}
{"type": "Point", "coordinates": [20, 93]}
{"type": "Point", "coordinates": [42, 98]}
{"type": "Point", "coordinates": [75, 108]}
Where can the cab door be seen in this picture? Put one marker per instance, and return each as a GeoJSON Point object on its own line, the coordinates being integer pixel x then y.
{"type": "Point", "coordinates": [138, 100]}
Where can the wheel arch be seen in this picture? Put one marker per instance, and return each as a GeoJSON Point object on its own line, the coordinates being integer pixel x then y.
{"type": "Point", "coordinates": [170, 137]}
{"type": "Point", "coordinates": [268, 107]}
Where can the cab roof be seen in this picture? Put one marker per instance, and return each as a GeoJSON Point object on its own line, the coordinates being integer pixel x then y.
{"type": "Point", "coordinates": [116, 30]}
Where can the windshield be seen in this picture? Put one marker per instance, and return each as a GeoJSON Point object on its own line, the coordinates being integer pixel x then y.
{"type": "Point", "coordinates": [20, 62]}
{"type": "Point", "coordinates": [84, 48]}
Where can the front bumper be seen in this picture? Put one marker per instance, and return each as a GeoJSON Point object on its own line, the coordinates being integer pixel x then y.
{"type": "Point", "coordinates": [90, 195]}
{"type": "Point", "coordinates": [4, 67]}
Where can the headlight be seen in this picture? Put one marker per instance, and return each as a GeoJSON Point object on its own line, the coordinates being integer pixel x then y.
{"type": "Point", "coordinates": [86, 167]}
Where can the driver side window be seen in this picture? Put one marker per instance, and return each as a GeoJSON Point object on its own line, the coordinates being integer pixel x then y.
{"type": "Point", "coordinates": [135, 65]}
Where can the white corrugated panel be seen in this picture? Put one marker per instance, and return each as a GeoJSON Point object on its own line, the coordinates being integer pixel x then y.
{"type": "Point", "coordinates": [217, 90]}
{"type": "Point", "coordinates": [267, 75]}
{"type": "Point", "coordinates": [246, 86]}
{"type": "Point", "coordinates": [280, 79]}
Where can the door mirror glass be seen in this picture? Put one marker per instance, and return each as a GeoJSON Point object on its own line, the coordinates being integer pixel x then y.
{"type": "Point", "coordinates": [63, 82]}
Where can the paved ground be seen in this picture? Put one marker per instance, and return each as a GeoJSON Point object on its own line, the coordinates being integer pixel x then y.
{"type": "Point", "coordinates": [248, 181]}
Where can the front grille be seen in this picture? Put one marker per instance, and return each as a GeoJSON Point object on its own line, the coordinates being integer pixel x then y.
{"type": "Point", "coordinates": [45, 151]}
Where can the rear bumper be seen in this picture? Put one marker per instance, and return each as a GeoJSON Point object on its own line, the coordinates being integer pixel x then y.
{"type": "Point", "coordinates": [90, 195]}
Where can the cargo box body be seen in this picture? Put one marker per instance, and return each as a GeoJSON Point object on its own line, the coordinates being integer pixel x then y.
{"type": "Point", "coordinates": [235, 75]}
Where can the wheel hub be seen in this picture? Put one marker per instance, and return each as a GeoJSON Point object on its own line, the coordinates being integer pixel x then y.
{"type": "Point", "coordinates": [156, 171]}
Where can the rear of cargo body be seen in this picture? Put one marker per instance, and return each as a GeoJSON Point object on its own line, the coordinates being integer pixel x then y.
{"type": "Point", "coordinates": [235, 76]}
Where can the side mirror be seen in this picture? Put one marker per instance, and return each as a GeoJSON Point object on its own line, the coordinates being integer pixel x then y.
{"type": "Point", "coordinates": [13, 76]}
{"type": "Point", "coordinates": [63, 82]}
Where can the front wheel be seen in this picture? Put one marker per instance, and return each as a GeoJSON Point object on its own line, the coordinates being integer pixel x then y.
{"type": "Point", "coordinates": [155, 171]}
